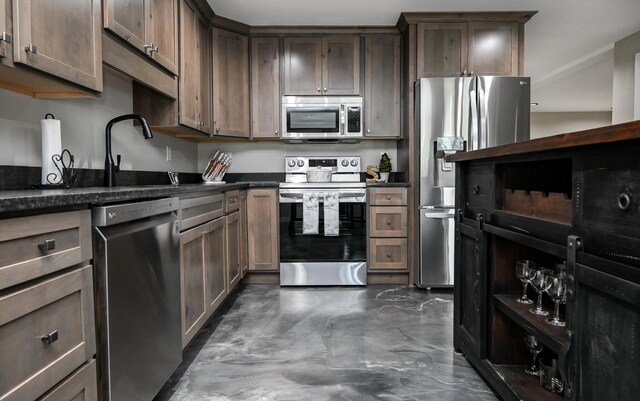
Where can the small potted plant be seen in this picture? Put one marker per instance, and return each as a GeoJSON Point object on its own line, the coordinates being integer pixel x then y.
{"type": "Point", "coordinates": [384, 167]}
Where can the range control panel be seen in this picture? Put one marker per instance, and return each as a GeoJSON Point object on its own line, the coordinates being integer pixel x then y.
{"type": "Point", "coordinates": [339, 164]}
{"type": "Point", "coordinates": [353, 119]}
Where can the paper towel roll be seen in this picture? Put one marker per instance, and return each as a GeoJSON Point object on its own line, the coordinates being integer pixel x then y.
{"type": "Point", "coordinates": [51, 145]}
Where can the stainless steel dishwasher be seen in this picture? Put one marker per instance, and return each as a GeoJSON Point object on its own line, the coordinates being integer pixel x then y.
{"type": "Point", "coordinates": [137, 273]}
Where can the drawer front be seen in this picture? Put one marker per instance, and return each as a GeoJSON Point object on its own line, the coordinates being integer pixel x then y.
{"type": "Point", "coordinates": [60, 308]}
{"type": "Point", "coordinates": [388, 222]}
{"type": "Point", "coordinates": [478, 187]}
{"type": "Point", "coordinates": [388, 196]}
{"type": "Point", "coordinates": [80, 386]}
{"type": "Point", "coordinates": [199, 210]}
{"type": "Point", "coordinates": [232, 201]}
{"type": "Point", "coordinates": [387, 254]}
{"type": "Point", "coordinates": [33, 246]}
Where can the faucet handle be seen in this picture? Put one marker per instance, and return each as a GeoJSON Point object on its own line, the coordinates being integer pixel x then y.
{"type": "Point", "coordinates": [117, 166]}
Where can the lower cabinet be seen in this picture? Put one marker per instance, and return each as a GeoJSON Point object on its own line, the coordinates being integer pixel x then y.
{"type": "Point", "coordinates": [234, 270]}
{"type": "Point", "coordinates": [244, 256]}
{"type": "Point", "coordinates": [202, 274]}
{"type": "Point", "coordinates": [81, 385]}
{"type": "Point", "coordinates": [262, 229]}
{"type": "Point", "coordinates": [387, 230]}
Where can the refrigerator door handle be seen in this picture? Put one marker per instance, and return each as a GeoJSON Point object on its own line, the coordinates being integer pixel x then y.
{"type": "Point", "coordinates": [439, 215]}
{"type": "Point", "coordinates": [482, 138]}
{"type": "Point", "coordinates": [473, 135]}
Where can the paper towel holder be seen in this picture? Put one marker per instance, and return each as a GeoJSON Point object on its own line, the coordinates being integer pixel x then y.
{"type": "Point", "coordinates": [46, 116]}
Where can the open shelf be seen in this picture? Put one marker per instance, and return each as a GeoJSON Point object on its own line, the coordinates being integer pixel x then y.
{"type": "Point", "coordinates": [551, 336]}
{"type": "Point", "coordinates": [549, 206]}
{"type": "Point", "coordinates": [526, 240]}
{"type": "Point", "coordinates": [526, 387]}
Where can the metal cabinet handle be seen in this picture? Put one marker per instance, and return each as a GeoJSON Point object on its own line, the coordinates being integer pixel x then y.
{"type": "Point", "coordinates": [388, 197]}
{"type": "Point", "coordinates": [389, 254]}
{"type": "Point", "coordinates": [218, 130]}
{"type": "Point", "coordinates": [471, 73]}
{"type": "Point", "coordinates": [47, 245]}
{"type": "Point", "coordinates": [31, 48]}
{"type": "Point", "coordinates": [318, 89]}
{"type": "Point", "coordinates": [156, 49]}
{"type": "Point", "coordinates": [476, 189]}
{"type": "Point", "coordinates": [464, 73]}
{"type": "Point", "coordinates": [389, 222]}
{"type": "Point", "coordinates": [6, 37]}
{"type": "Point", "coordinates": [325, 90]}
{"type": "Point", "coordinates": [276, 132]}
{"type": "Point", "coordinates": [624, 200]}
{"type": "Point", "coordinates": [368, 131]}
{"type": "Point", "coordinates": [50, 338]}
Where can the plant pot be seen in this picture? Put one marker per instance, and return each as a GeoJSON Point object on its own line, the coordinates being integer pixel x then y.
{"type": "Point", "coordinates": [384, 177]}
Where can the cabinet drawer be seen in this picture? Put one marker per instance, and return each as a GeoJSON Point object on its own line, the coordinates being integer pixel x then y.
{"type": "Point", "coordinates": [33, 246]}
{"type": "Point", "coordinates": [388, 254]}
{"type": "Point", "coordinates": [478, 187]}
{"type": "Point", "coordinates": [80, 386]}
{"type": "Point", "coordinates": [388, 196]}
{"type": "Point", "coordinates": [232, 201]}
{"type": "Point", "coordinates": [61, 308]}
{"type": "Point", "coordinates": [388, 222]}
{"type": "Point", "coordinates": [199, 210]}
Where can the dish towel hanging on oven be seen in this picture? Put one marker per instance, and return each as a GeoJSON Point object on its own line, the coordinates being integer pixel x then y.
{"type": "Point", "coordinates": [310, 213]}
{"type": "Point", "coordinates": [331, 214]}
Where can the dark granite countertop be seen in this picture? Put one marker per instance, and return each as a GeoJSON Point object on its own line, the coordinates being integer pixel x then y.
{"type": "Point", "coordinates": [388, 184]}
{"type": "Point", "coordinates": [32, 199]}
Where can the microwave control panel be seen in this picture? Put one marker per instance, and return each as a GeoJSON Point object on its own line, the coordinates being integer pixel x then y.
{"type": "Point", "coordinates": [353, 119]}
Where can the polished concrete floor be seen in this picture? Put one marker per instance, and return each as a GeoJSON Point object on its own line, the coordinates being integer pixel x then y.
{"type": "Point", "coordinates": [328, 344]}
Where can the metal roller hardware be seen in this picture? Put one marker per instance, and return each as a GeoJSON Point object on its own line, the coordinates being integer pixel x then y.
{"type": "Point", "coordinates": [47, 245]}
{"type": "Point", "coordinates": [50, 338]}
{"type": "Point", "coordinates": [624, 200]}
{"type": "Point", "coordinates": [31, 48]}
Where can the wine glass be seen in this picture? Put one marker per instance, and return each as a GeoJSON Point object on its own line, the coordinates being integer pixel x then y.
{"type": "Point", "coordinates": [535, 347]}
{"type": "Point", "coordinates": [556, 288]}
{"type": "Point", "coordinates": [523, 273]}
{"type": "Point", "coordinates": [539, 284]}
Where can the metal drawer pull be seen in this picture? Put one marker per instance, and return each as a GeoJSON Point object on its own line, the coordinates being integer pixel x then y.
{"type": "Point", "coordinates": [47, 245]}
{"type": "Point", "coordinates": [624, 200]}
{"type": "Point", "coordinates": [388, 197]}
{"type": "Point", "coordinates": [5, 37]}
{"type": "Point", "coordinates": [31, 48]}
{"type": "Point", "coordinates": [389, 254]}
{"type": "Point", "coordinates": [389, 222]}
{"type": "Point", "coordinates": [50, 338]}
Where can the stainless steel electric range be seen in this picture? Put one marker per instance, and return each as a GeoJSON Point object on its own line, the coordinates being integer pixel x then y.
{"type": "Point", "coordinates": [318, 259]}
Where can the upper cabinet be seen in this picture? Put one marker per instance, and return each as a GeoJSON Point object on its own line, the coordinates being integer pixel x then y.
{"type": "Point", "coordinates": [230, 83]}
{"type": "Point", "coordinates": [327, 65]}
{"type": "Point", "coordinates": [150, 26]}
{"type": "Point", "coordinates": [265, 87]}
{"type": "Point", "coordinates": [61, 39]}
{"type": "Point", "coordinates": [382, 86]}
{"type": "Point", "coordinates": [493, 48]}
{"type": "Point", "coordinates": [442, 49]}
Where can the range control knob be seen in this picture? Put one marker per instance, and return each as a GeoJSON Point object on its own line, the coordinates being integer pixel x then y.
{"type": "Point", "coordinates": [300, 163]}
{"type": "Point", "coordinates": [345, 162]}
{"type": "Point", "coordinates": [354, 162]}
{"type": "Point", "coordinates": [291, 163]}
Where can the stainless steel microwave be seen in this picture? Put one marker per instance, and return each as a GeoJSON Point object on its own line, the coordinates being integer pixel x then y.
{"type": "Point", "coordinates": [321, 119]}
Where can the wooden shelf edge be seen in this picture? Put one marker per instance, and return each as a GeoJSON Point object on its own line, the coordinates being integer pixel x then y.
{"type": "Point", "coordinates": [551, 336]}
{"type": "Point", "coordinates": [526, 387]}
{"type": "Point", "coordinates": [524, 239]}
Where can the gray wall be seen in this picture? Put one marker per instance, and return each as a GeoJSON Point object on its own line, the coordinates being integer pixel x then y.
{"type": "Point", "coordinates": [624, 79]}
{"type": "Point", "coordinates": [547, 124]}
{"type": "Point", "coordinates": [83, 123]}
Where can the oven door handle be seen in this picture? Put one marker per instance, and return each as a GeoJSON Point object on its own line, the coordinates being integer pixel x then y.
{"type": "Point", "coordinates": [343, 197]}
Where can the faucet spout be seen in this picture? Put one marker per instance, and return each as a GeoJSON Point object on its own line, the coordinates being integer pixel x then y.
{"type": "Point", "coordinates": [111, 168]}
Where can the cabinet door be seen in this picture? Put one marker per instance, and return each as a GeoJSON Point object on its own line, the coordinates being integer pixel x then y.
{"type": "Point", "coordinates": [234, 270]}
{"type": "Point", "coordinates": [230, 83]}
{"type": "Point", "coordinates": [127, 19]}
{"type": "Point", "coordinates": [493, 48]}
{"type": "Point", "coordinates": [303, 66]}
{"type": "Point", "coordinates": [442, 50]}
{"type": "Point", "coordinates": [244, 258]}
{"type": "Point", "coordinates": [194, 86]}
{"type": "Point", "coordinates": [162, 30]}
{"type": "Point", "coordinates": [469, 290]}
{"type": "Point", "coordinates": [388, 221]}
{"type": "Point", "coordinates": [341, 65]}
{"type": "Point", "coordinates": [215, 260]}
{"type": "Point", "coordinates": [192, 279]}
{"type": "Point", "coordinates": [262, 229]}
{"type": "Point", "coordinates": [382, 86]}
{"type": "Point", "coordinates": [604, 319]}
{"type": "Point", "coordinates": [63, 38]}
{"type": "Point", "coordinates": [6, 33]}
{"type": "Point", "coordinates": [265, 87]}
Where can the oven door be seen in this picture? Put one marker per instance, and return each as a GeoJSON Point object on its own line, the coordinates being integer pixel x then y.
{"type": "Point", "coordinates": [317, 259]}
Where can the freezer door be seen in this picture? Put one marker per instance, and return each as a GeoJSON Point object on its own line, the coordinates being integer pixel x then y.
{"type": "Point", "coordinates": [442, 110]}
{"type": "Point", "coordinates": [437, 239]}
{"type": "Point", "coordinates": [503, 110]}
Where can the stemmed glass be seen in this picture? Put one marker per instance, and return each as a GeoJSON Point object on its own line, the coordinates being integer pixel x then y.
{"type": "Point", "coordinates": [524, 272]}
{"type": "Point", "coordinates": [539, 284]}
{"type": "Point", "coordinates": [556, 288]}
{"type": "Point", "coordinates": [535, 347]}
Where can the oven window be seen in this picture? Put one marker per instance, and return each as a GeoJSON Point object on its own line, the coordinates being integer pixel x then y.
{"type": "Point", "coordinates": [310, 120]}
{"type": "Point", "coordinates": [349, 246]}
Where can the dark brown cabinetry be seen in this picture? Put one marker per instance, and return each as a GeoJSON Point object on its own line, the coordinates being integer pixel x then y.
{"type": "Point", "coordinates": [541, 197]}
{"type": "Point", "coordinates": [265, 87]}
{"type": "Point", "coordinates": [230, 83]}
{"type": "Point", "coordinates": [151, 27]}
{"type": "Point", "coordinates": [322, 65]}
{"type": "Point", "coordinates": [474, 48]}
{"type": "Point", "coordinates": [382, 86]}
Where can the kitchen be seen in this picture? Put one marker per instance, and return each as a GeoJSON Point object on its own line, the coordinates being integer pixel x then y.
{"type": "Point", "coordinates": [84, 120]}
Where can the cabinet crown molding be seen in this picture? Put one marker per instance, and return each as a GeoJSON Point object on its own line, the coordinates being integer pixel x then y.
{"type": "Point", "coordinates": [410, 18]}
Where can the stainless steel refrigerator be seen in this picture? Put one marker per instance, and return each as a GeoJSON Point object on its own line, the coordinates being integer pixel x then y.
{"type": "Point", "coordinates": [455, 114]}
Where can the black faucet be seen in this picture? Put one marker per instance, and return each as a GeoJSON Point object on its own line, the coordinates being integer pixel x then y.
{"type": "Point", "coordinates": [110, 169]}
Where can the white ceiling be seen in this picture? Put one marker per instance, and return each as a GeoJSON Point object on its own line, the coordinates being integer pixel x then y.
{"type": "Point", "coordinates": [568, 44]}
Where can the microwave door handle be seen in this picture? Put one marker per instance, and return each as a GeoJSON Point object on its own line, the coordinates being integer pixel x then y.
{"type": "Point", "coordinates": [342, 119]}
